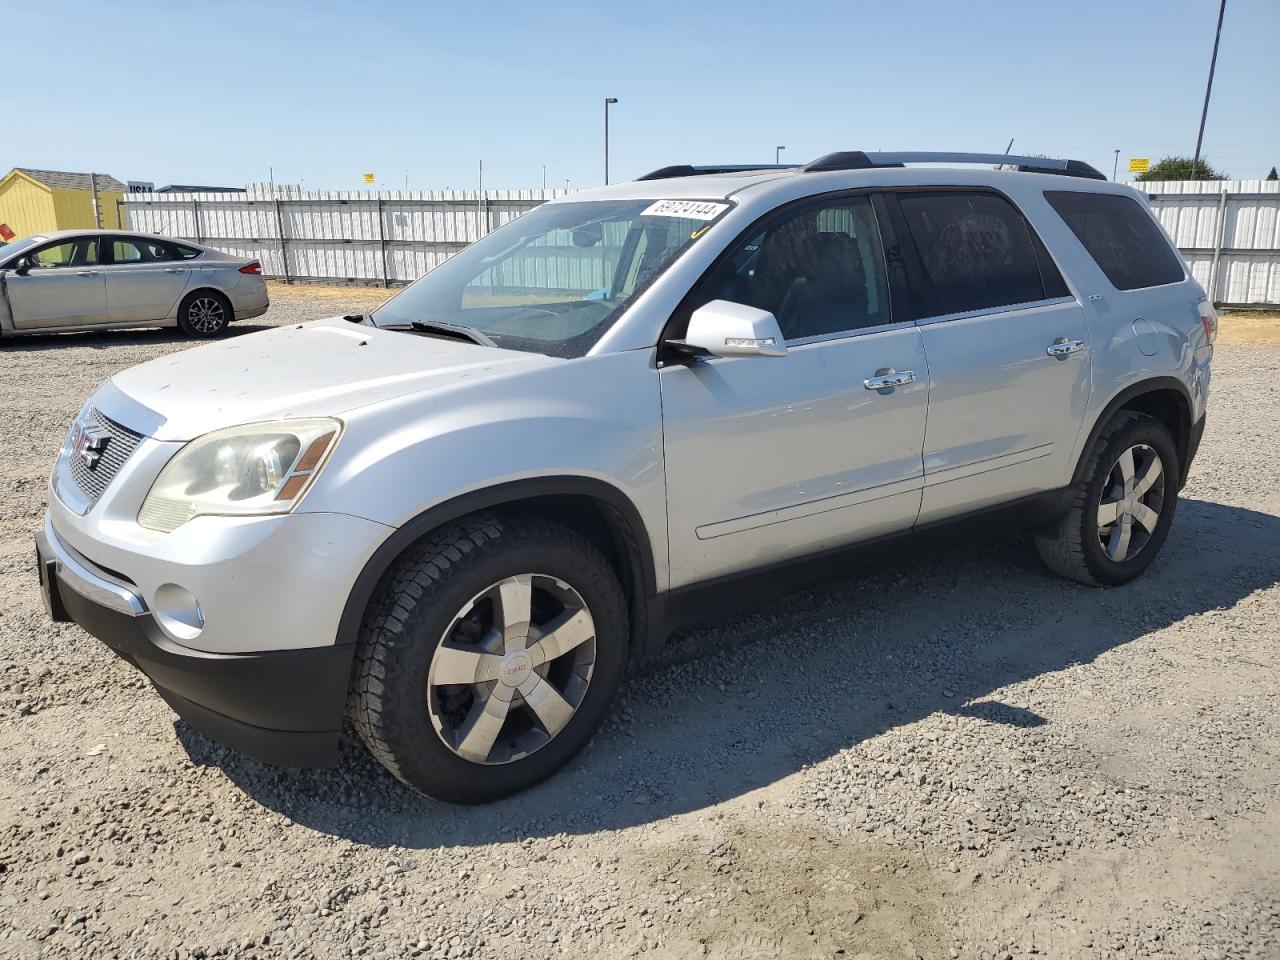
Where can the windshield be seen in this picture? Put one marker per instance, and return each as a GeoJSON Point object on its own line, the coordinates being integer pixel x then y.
{"type": "Point", "coordinates": [554, 280]}
{"type": "Point", "coordinates": [8, 250]}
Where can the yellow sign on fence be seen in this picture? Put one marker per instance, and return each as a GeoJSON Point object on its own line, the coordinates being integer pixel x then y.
{"type": "Point", "coordinates": [1139, 164]}
{"type": "Point", "coordinates": [370, 178]}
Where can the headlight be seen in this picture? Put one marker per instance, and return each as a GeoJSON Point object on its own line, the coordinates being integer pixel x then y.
{"type": "Point", "coordinates": [252, 470]}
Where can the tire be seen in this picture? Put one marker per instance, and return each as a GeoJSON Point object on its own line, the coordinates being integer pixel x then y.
{"type": "Point", "coordinates": [1074, 547]}
{"type": "Point", "coordinates": [204, 314]}
{"type": "Point", "coordinates": [437, 609]}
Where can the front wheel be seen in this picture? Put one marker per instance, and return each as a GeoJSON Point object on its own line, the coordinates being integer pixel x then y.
{"type": "Point", "coordinates": [1121, 505]}
{"type": "Point", "coordinates": [488, 657]}
{"type": "Point", "coordinates": [204, 314]}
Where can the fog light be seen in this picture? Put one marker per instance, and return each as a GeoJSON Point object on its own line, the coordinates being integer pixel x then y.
{"type": "Point", "coordinates": [178, 611]}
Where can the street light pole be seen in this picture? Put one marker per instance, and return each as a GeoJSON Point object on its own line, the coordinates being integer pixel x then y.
{"type": "Point", "coordinates": [607, 101]}
{"type": "Point", "coordinates": [1115, 167]}
{"type": "Point", "coordinates": [1208, 88]}
{"type": "Point", "coordinates": [777, 153]}
{"type": "Point", "coordinates": [544, 176]}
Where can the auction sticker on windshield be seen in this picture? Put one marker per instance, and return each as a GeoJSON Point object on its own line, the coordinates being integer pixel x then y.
{"type": "Point", "coordinates": [686, 209]}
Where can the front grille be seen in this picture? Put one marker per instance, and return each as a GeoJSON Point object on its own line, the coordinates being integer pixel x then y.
{"type": "Point", "coordinates": [94, 480]}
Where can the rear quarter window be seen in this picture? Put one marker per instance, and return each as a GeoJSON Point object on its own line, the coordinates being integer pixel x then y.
{"type": "Point", "coordinates": [1121, 236]}
{"type": "Point", "coordinates": [183, 252]}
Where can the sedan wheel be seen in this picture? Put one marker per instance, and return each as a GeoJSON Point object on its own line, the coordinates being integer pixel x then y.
{"type": "Point", "coordinates": [204, 314]}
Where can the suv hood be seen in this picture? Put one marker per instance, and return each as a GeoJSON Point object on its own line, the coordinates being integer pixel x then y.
{"type": "Point", "coordinates": [323, 368]}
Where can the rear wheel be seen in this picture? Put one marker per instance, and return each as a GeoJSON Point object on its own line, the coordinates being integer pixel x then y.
{"type": "Point", "coordinates": [1121, 506]}
{"type": "Point", "coordinates": [204, 314]}
{"type": "Point", "coordinates": [488, 658]}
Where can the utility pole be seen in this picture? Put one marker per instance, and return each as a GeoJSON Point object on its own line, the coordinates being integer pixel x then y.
{"type": "Point", "coordinates": [777, 154]}
{"type": "Point", "coordinates": [97, 209]}
{"type": "Point", "coordinates": [1208, 88]}
{"type": "Point", "coordinates": [607, 101]}
{"type": "Point", "coordinates": [544, 176]}
{"type": "Point", "coordinates": [1115, 167]}
{"type": "Point", "coordinates": [480, 204]}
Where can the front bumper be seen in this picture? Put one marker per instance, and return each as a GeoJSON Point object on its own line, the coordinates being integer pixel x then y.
{"type": "Point", "coordinates": [280, 706]}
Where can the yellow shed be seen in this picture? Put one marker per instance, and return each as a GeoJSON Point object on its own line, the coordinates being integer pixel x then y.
{"type": "Point", "coordinates": [39, 201]}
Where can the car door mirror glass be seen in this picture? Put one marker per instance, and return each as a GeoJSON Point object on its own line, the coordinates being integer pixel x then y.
{"type": "Point", "coordinates": [726, 329]}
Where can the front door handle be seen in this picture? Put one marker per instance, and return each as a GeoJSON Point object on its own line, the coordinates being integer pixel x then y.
{"type": "Point", "coordinates": [1062, 347]}
{"type": "Point", "coordinates": [174, 270]}
{"type": "Point", "coordinates": [87, 273]}
{"type": "Point", "coordinates": [889, 378]}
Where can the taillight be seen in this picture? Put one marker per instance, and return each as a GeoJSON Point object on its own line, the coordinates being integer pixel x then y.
{"type": "Point", "coordinates": [1209, 319]}
{"type": "Point", "coordinates": [254, 268]}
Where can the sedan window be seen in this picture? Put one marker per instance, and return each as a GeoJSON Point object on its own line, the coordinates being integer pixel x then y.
{"type": "Point", "coordinates": [138, 250]}
{"type": "Point", "coordinates": [81, 252]}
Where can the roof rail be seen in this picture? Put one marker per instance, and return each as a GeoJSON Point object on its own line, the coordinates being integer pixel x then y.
{"type": "Point", "coordinates": [687, 170]}
{"type": "Point", "coordinates": [857, 160]}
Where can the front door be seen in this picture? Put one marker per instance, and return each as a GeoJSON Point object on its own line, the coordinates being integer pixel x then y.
{"type": "Point", "coordinates": [144, 280]}
{"type": "Point", "coordinates": [1008, 351]}
{"type": "Point", "coordinates": [63, 288]}
{"type": "Point", "coordinates": [768, 459]}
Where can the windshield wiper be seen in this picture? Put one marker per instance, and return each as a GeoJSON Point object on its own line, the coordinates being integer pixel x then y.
{"type": "Point", "coordinates": [457, 330]}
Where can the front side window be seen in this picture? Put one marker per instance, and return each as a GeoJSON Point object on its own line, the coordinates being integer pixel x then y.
{"type": "Point", "coordinates": [975, 249]}
{"type": "Point", "coordinates": [138, 250]}
{"type": "Point", "coordinates": [554, 280]}
{"type": "Point", "coordinates": [1120, 236]}
{"type": "Point", "coordinates": [819, 270]}
{"type": "Point", "coordinates": [81, 252]}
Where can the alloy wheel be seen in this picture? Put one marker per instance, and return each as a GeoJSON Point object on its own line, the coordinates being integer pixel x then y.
{"type": "Point", "coordinates": [206, 315]}
{"type": "Point", "coordinates": [512, 669]}
{"type": "Point", "coordinates": [1131, 502]}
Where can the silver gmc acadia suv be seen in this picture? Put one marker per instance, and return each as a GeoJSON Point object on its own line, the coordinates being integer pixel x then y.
{"type": "Point", "coordinates": [459, 519]}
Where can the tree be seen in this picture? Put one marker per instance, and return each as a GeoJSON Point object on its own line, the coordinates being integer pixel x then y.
{"type": "Point", "coordinates": [1179, 168]}
{"type": "Point", "coordinates": [1273, 175]}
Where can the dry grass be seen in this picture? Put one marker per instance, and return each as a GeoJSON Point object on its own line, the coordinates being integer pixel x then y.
{"type": "Point", "coordinates": [1250, 329]}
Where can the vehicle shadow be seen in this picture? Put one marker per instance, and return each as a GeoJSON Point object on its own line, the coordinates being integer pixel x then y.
{"type": "Point", "coordinates": [817, 673]}
{"type": "Point", "coordinates": [109, 339]}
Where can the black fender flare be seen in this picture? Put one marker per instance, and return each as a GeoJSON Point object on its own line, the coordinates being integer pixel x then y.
{"type": "Point", "coordinates": [499, 495]}
{"type": "Point", "coordinates": [1132, 392]}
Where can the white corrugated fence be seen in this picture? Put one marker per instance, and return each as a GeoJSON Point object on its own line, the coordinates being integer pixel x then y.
{"type": "Point", "coordinates": [387, 236]}
{"type": "Point", "coordinates": [1228, 231]}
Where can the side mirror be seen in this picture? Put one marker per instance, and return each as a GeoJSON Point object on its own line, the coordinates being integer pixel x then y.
{"type": "Point", "coordinates": [726, 329]}
{"type": "Point", "coordinates": [23, 266]}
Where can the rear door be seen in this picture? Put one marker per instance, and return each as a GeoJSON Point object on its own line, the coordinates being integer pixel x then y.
{"type": "Point", "coordinates": [144, 279]}
{"type": "Point", "coordinates": [769, 459]}
{"type": "Point", "coordinates": [1008, 351]}
{"type": "Point", "coordinates": [63, 288]}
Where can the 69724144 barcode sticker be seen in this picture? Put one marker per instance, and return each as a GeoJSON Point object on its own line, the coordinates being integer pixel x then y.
{"type": "Point", "coordinates": [686, 209]}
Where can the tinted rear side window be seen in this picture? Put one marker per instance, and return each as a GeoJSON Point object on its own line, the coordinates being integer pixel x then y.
{"type": "Point", "coordinates": [976, 251]}
{"type": "Point", "coordinates": [1121, 236]}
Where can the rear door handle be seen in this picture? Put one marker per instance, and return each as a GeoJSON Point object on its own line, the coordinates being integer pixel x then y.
{"type": "Point", "coordinates": [1062, 347]}
{"type": "Point", "coordinates": [888, 379]}
{"type": "Point", "coordinates": [174, 270]}
{"type": "Point", "coordinates": [87, 273]}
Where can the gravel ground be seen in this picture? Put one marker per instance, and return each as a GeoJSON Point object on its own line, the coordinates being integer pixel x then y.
{"type": "Point", "coordinates": [963, 757]}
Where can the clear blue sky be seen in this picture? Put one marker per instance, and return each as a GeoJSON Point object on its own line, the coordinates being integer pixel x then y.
{"type": "Point", "coordinates": [219, 92]}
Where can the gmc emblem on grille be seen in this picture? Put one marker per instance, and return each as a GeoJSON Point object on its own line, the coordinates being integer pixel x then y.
{"type": "Point", "coordinates": [89, 443]}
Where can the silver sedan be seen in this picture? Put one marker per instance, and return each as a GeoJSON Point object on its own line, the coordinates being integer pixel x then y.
{"type": "Point", "coordinates": [99, 279]}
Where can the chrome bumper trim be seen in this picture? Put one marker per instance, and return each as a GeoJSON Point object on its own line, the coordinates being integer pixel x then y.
{"type": "Point", "coordinates": [75, 575]}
